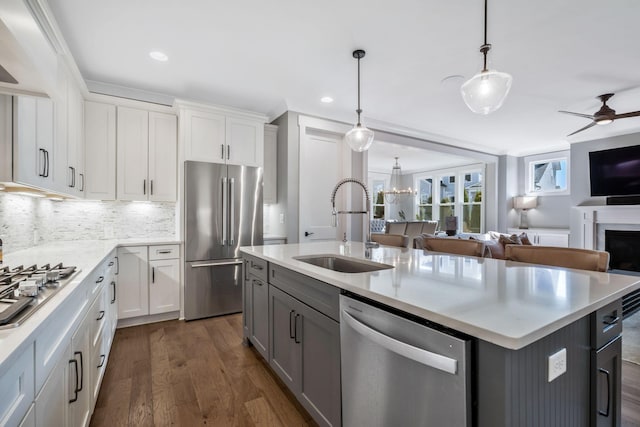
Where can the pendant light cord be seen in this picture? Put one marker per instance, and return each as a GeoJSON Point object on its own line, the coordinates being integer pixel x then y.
{"type": "Point", "coordinates": [486, 46]}
{"type": "Point", "coordinates": [359, 110]}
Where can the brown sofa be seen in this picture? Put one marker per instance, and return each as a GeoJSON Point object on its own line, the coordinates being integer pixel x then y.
{"type": "Point", "coordinates": [403, 233]}
{"type": "Point", "coordinates": [583, 259]}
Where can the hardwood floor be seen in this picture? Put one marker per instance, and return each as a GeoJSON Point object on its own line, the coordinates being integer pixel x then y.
{"type": "Point", "coordinates": [192, 374]}
{"type": "Point", "coordinates": [199, 373]}
{"type": "Point", "coordinates": [630, 394]}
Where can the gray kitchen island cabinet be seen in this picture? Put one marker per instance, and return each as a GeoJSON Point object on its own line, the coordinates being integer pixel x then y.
{"type": "Point", "coordinates": [291, 321]}
{"type": "Point", "coordinates": [545, 341]}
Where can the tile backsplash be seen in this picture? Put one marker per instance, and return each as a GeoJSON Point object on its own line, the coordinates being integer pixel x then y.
{"type": "Point", "coordinates": [27, 221]}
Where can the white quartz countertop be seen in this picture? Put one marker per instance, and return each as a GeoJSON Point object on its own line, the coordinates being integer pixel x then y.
{"type": "Point", "coordinates": [85, 255]}
{"type": "Point", "coordinates": [507, 303]}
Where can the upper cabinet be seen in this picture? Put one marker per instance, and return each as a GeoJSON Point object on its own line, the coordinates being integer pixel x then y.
{"type": "Point", "coordinates": [146, 155]}
{"type": "Point", "coordinates": [33, 141]}
{"type": "Point", "coordinates": [223, 136]}
{"type": "Point", "coordinates": [100, 150]}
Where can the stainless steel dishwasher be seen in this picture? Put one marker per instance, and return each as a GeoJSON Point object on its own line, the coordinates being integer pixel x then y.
{"type": "Point", "coordinates": [397, 372]}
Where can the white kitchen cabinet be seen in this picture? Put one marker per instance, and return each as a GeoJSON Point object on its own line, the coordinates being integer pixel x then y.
{"type": "Point", "coordinates": [112, 297]}
{"type": "Point", "coordinates": [204, 136]}
{"type": "Point", "coordinates": [79, 383]}
{"type": "Point", "coordinates": [164, 286]}
{"type": "Point", "coordinates": [146, 155]}
{"type": "Point", "coordinates": [148, 282]}
{"type": "Point", "coordinates": [545, 236]}
{"type": "Point", "coordinates": [219, 136]}
{"type": "Point", "coordinates": [16, 388]}
{"type": "Point", "coordinates": [163, 152]}
{"type": "Point", "coordinates": [132, 287]}
{"type": "Point", "coordinates": [100, 150]}
{"type": "Point", "coordinates": [33, 139]}
{"type": "Point", "coordinates": [244, 142]}
{"type": "Point", "coordinates": [270, 177]}
{"type": "Point", "coordinates": [68, 105]}
{"type": "Point", "coordinates": [51, 405]}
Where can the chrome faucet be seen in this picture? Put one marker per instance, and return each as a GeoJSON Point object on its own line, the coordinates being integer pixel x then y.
{"type": "Point", "coordinates": [368, 244]}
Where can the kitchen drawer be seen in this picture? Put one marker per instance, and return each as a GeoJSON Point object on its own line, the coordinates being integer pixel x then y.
{"type": "Point", "coordinates": [97, 313]}
{"type": "Point", "coordinates": [316, 294]}
{"type": "Point", "coordinates": [158, 252]}
{"type": "Point", "coordinates": [256, 267]}
{"type": "Point", "coordinates": [16, 388]}
{"type": "Point", "coordinates": [95, 281]}
{"type": "Point", "coordinates": [606, 324]}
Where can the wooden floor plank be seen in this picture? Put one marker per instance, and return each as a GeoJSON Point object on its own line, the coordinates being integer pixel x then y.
{"type": "Point", "coordinates": [630, 394]}
{"type": "Point", "coordinates": [262, 414]}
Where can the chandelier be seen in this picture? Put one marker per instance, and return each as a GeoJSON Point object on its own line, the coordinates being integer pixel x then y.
{"type": "Point", "coordinates": [397, 192]}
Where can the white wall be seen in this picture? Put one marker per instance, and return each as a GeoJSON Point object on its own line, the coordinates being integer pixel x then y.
{"type": "Point", "coordinates": [26, 221]}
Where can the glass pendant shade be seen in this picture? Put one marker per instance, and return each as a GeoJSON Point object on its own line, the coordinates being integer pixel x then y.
{"type": "Point", "coordinates": [359, 138]}
{"type": "Point", "coordinates": [485, 92]}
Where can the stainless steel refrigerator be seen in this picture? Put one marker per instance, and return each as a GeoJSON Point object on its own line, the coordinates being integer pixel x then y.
{"type": "Point", "coordinates": [223, 211]}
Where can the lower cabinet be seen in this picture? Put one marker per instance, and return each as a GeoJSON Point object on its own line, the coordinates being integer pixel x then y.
{"type": "Point", "coordinates": [16, 388]}
{"type": "Point", "coordinates": [79, 388]}
{"type": "Point", "coordinates": [148, 280]}
{"type": "Point", "coordinates": [305, 353]}
{"type": "Point", "coordinates": [606, 384]}
{"type": "Point", "coordinates": [256, 313]}
{"type": "Point", "coordinates": [52, 401]}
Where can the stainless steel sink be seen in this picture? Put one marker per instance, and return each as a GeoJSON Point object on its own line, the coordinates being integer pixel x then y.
{"type": "Point", "coordinates": [343, 264]}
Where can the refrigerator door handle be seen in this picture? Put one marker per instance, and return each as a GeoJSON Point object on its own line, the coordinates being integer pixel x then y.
{"type": "Point", "coordinates": [232, 203]}
{"type": "Point", "coordinates": [215, 264]}
{"type": "Point", "coordinates": [224, 210]}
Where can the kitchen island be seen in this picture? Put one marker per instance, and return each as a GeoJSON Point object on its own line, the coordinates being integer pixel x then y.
{"type": "Point", "coordinates": [515, 315]}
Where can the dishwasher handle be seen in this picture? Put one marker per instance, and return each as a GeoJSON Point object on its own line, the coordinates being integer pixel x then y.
{"type": "Point", "coordinates": [416, 354]}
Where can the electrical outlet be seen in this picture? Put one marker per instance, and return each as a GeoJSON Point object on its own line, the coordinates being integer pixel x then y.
{"type": "Point", "coordinates": [557, 364]}
{"type": "Point", "coordinates": [281, 218]}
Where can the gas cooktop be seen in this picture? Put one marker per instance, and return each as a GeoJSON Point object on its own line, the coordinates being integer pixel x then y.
{"type": "Point", "coordinates": [23, 290]}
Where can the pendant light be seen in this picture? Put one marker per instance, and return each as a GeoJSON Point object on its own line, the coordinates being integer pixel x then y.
{"type": "Point", "coordinates": [394, 195]}
{"type": "Point", "coordinates": [359, 138]}
{"type": "Point", "coordinates": [485, 92]}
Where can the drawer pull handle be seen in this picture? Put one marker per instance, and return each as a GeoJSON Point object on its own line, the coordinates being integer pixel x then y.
{"type": "Point", "coordinates": [606, 413]}
{"type": "Point", "coordinates": [114, 292]}
{"type": "Point", "coordinates": [257, 282]}
{"type": "Point", "coordinates": [75, 389]}
{"type": "Point", "coordinates": [291, 327]}
{"type": "Point", "coordinates": [101, 315]}
{"type": "Point", "coordinates": [164, 252]}
{"type": "Point", "coordinates": [256, 266]}
{"type": "Point", "coordinates": [102, 358]}
{"type": "Point", "coordinates": [111, 264]}
{"type": "Point", "coordinates": [610, 320]}
{"type": "Point", "coordinates": [100, 279]}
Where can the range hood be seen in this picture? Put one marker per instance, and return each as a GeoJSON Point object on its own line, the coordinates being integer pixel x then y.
{"type": "Point", "coordinates": [28, 60]}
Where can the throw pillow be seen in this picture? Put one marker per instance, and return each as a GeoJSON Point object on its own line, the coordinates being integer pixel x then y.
{"type": "Point", "coordinates": [525, 239]}
{"type": "Point", "coordinates": [510, 240]}
{"type": "Point", "coordinates": [496, 249]}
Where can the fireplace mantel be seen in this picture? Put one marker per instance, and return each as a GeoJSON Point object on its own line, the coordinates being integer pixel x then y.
{"type": "Point", "coordinates": [593, 220]}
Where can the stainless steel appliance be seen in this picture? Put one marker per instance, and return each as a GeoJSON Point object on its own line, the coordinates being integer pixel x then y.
{"type": "Point", "coordinates": [397, 372]}
{"type": "Point", "coordinates": [25, 290]}
{"type": "Point", "coordinates": [223, 211]}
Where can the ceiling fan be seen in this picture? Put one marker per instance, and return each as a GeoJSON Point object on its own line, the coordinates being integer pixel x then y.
{"type": "Point", "coordinates": [603, 116]}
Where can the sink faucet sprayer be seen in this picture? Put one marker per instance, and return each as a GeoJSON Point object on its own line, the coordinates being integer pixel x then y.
{"type": "Point", "coordinates": [368, 244]}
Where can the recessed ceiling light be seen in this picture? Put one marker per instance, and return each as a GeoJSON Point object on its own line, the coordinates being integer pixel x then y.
{"type": "Point", "coordinates": [159, 56]}
{"type": "Point", "coordinates": [326, 99]}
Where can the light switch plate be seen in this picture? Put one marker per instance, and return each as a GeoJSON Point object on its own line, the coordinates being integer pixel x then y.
{"type": "Point", "coordinates": [557, 364]}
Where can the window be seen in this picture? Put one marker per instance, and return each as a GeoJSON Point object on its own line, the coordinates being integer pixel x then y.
{"type": "Point", "coordinates": [425, 199]}
{"type": "Point", "coordinates": [458, 192]}
{"type": "Point", "coordinates": [377, 201]}
{"type": "Point", "coordinates": [547, 175]}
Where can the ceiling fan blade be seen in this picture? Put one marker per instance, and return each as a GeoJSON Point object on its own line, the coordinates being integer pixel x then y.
{"type": "Point", "coordinates": [584, 128]}
{"type": "Point", "coordinates": [625, 115]}
{"type": "Point", "coordinates": [586, 116]}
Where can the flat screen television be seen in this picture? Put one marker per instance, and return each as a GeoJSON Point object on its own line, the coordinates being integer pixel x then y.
{"type": "Point", "coordinates": [615, 172]}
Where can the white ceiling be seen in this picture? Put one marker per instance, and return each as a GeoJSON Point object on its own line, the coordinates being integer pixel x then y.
{"type": "Point", "coordinates": [272, 56]}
